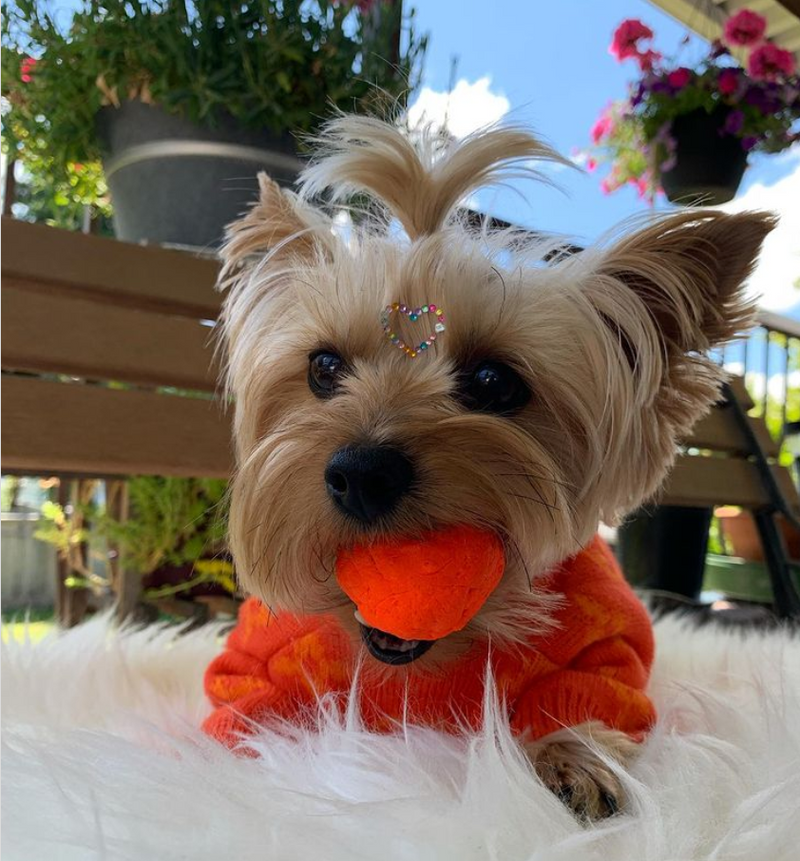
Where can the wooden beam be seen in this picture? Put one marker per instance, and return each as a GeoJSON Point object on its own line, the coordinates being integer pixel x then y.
{"type": "Point", "coordinates": [792, 6]}
{"type": "Point", "coordinates": [718, 431]}
{"type": "Point", "coordinates": [702, 481]}
{"type": "Point", "coordinates": [61, 333]}
{"type": "Point", "coordinates": [54, 428]}
{"type": "Point", "coordinates": [146, 277]}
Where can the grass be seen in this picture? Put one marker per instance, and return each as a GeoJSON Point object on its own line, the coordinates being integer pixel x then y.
{"type": "Point", "coordinates": [21, 625]}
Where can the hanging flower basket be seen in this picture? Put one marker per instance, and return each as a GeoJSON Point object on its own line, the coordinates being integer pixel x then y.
{"type": "Point", "coordinates": [687, 131]}
{"type": "Point", "coordinates": [708, 164]}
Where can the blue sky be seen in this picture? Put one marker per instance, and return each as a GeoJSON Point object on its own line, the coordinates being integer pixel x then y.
{"type": "Point", "coordinates": [550, 63]}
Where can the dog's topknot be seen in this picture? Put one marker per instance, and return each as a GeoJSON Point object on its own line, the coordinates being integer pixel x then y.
{"type": "Point", "coordinates": [422, 177]}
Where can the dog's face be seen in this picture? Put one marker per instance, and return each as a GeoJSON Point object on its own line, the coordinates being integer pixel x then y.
{"type": "Point", "coordinates": [553, 398]}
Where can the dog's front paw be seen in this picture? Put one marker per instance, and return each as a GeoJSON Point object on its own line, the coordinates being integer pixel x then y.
{"type": "Point", "coordinates": [570, 769]}
{"type": "Point", "coordinates": [589, 788]}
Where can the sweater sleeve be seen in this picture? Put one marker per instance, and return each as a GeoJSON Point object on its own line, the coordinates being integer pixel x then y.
{"type": "Point", "coordinates": [600, 655]}
{"type": "Point", "coordinates": [272, 667]}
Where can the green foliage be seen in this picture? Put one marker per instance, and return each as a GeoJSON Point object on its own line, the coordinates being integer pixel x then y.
{"type": "Point", "coordinates": [58, 529]}
{"type": "Point", "coordinates": [216, 571]}
{"type": "Point", "coordinates": [60, 197]}
{"type": "Point", "coordinates": [173, 521]}
{"type": "Point", "coordinates": [275, 64]}
{"type": "Point", "coordinates": [8, 492]}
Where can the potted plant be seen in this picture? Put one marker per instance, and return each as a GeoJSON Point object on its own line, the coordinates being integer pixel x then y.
{"type": "Point", "coordinates": [173, 539]}
{"type": "Point", "coordinates": [184, 101]}
{"type": "Point", "coordinates": [689, 131]}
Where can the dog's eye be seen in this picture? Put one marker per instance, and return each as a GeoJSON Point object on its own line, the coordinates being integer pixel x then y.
{"type": "Point", "coordinates": [494, 387]}
{"type": "Point", "coordinates": [325, 370]}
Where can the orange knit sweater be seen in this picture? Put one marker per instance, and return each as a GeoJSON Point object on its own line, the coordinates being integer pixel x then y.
{"type": "Point", "coordinates": [593, 666]}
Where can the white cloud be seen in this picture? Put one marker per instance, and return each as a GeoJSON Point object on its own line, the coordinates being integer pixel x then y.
{"type": "Point", "coordinates": [469, 107]}
{"type": "Point", "coordinates": [779, 266]}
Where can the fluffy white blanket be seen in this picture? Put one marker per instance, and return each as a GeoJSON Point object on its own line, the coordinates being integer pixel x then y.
{"type": "Point", "coordinates": [102, 759]}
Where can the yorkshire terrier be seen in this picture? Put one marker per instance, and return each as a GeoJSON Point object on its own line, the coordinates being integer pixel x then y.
{"type": "Point", "coordinates": [551, 395]}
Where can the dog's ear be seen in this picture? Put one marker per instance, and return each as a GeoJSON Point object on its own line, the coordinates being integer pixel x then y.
{"type": "Point", "coordinates": [666, 295]}
{"type": "Point", "coordinates": [278, 224]}
{"type": "Point", "coordinates": [689, 272]}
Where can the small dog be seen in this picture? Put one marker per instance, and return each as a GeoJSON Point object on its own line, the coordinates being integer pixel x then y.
{"type": "Point", "coordinates": [553, 397]}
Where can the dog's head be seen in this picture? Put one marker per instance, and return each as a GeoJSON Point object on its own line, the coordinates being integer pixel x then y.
{"type": "Point", "coordinates": [553, 398]}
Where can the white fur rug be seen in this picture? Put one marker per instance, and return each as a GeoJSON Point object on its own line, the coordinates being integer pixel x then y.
{"type": "Point", "coordinates": [102, 759]}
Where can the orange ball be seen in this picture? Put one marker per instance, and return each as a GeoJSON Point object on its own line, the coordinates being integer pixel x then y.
{"type": "Point", "coordinates": [423, 588]}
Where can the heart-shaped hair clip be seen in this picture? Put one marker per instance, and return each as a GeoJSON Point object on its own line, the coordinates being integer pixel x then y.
{"type": "Point", "coordinates": [390, 313]}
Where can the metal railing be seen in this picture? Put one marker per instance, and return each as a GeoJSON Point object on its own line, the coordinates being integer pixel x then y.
{"type": "Point", "coordinates": [769, 360]}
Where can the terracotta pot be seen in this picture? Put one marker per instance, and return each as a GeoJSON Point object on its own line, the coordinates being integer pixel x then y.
{"type": "Point", "coordinates": [740, 531]}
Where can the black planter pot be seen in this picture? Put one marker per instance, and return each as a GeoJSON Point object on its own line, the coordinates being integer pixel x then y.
{"type": "Point", "coordinates": [174, 182]}
{"type": "Point", "coordinates": [664, 548]}
{"type": "Point", "coordinates": [709, 166]}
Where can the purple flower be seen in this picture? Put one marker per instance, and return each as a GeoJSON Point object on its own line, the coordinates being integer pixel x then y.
{"type": "Point", "coordinates": [638, 95]}
{"type": "Point", "coordinates": [661, 87]}
{"type": "Point", "coordinates": [758, 98]}
{"type": "Point", "coordinates": [733, 123]}
{"type": "Point", "coordinates": [748, 142]}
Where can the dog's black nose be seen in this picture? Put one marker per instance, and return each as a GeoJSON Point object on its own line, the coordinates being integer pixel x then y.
{"type": "Point", "coordinates": [367, 482]}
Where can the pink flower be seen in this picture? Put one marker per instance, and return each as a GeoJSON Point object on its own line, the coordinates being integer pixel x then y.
{"type": "Point", "coordinates": [648, 59]}
{"type": "Point", "coordinates": [591, 164]}
{"type": "Point", "coordinates": [611, 183]}
{"type": "Point", "coordinates": [679, 78]}
{"type": "Point", "coordinates": [768, 62]}
{"type": "Point", "coordinates": [641, 186]}
{"type": "Point", "coordinates": [602, 128]}
{"type": "Point", "coordinates": [625, 42]}
{"type": "Point", "coordinates": [745, 29]}
{"type": "Point", "coordinates": [26, 68]}
{"type": "Point", "coordinates": [728, 82]}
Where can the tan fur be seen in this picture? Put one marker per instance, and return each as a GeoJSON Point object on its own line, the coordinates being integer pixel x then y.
{"type": "Point", "coordinates": [612, 343]}
{"type": "Point", "coordinates": [577, 765]}
{"type": "Point", "coordinates": [421, 180]}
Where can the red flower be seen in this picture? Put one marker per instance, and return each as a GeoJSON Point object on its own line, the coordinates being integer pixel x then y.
{"type": "Point", "coordinates": [745, 28]}
{"type": "Point", "coordinates": [648, 59]}
{"type": "Point", "coordinates": [627, 36]}
{"type": "Point", "coordinates": [728, 82]}
{"type": "Point", "coordinates": [768, 62]}
{"type": "Point", "coordinates": [679, 78]}
{"type": "Point", "coordinates": [26, 69]}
